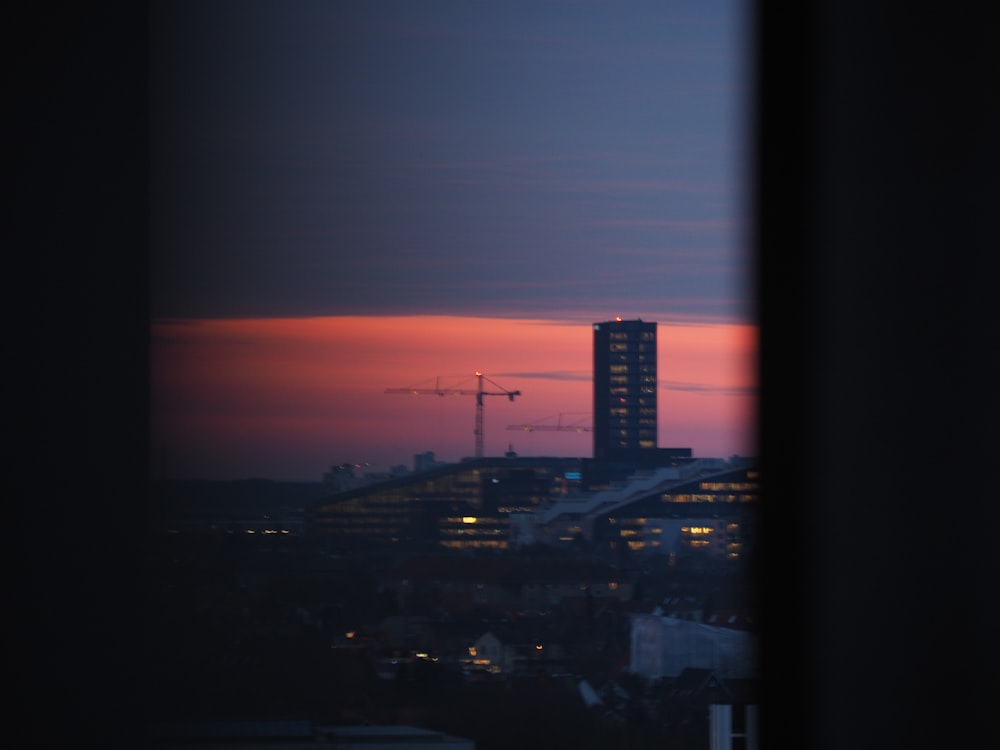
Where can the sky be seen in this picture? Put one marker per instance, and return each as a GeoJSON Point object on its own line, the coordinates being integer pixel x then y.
{"type": "Point", "coordinates": [351, 197]}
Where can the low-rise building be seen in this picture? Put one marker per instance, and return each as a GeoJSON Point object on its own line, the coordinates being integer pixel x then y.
{"type": "Point", "coordinates": [392, 737]}
{"type": "Point", "coordinates": [695, 508]}
{"type": "Point", "coordinates": [701, 510]}
{"type": "Point", "coordinates": [463, 506]}
{"type": "Point", "coordinates": [663, 646]}
{"type": "Point", "coordinates": [287, 734]}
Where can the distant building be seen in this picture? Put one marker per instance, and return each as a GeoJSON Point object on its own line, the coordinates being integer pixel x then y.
{"type": "Point", "coordinates": [625, 402]}
{"type": "Point", "coordinates": [286, 734]}
{"type": "Point", "coordinates": [663, 647]}
{"type": "Point", "coordinates": [516, 649]}
{"type": "Point", "coordinates": [259, 734]}
{"type": "Point", "coordinates": [702, 509]}
{"type": "Point", "coordinates": [392, 737]}
{"type": "Point", "coordinates": [732, 726]}
{"type": "Point", "coordinates": [463, 506]}
{"type": "Point", "coordinates": [426, 460]}
{"type": "Point", "coordinates": [399, 470]}
{"type": "Point", "coordinates": [342, 477]}
{"type": "Point", "coordinates": [625, 416]}
{"type": "Point", "coordinates": [702, 514]}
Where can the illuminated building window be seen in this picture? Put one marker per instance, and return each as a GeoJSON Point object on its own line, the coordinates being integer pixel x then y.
{"type": "Point", "coordinates": [696, 530]}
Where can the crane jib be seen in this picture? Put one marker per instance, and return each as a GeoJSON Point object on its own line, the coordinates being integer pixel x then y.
{"type": "Point", "coordinates": [478, 393]}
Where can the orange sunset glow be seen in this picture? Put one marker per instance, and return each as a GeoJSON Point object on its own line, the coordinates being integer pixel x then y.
{"type": "Point", "coordinates": [287, 398]}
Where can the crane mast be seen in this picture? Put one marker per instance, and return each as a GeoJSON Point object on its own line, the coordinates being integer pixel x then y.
{"type": "Point", "coordinates": [479, 393]}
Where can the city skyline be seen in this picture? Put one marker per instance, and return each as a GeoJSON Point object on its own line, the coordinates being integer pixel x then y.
{"type": "Point", "coordinates": [492, 169]}
{"type": "Point", "coordinates": [234, 396]}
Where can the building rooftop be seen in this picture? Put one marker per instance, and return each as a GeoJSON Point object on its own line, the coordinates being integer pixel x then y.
{"type": "Point", "coordinates": [391, 737]}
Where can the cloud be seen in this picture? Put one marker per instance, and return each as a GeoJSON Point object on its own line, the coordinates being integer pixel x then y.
{"type": "Point", "coordinates": [499, 159]}
{"type": "Point", "coordinates": [560, 375]}
{"type": "Point", "coordinates": [722, 390]}
{"type": "Point", "coordinates": [687, 224]}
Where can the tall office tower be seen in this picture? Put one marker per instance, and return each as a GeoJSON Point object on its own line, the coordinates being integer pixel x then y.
{"type": "Point", "coordinates": [625, 421]}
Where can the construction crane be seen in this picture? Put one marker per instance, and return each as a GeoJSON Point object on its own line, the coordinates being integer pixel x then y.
{"type": "Point", "coordinates": [557, 427]}
{"type": "Point", "coordinates": [437, 390]}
